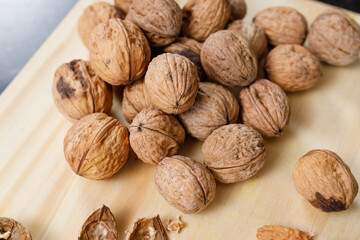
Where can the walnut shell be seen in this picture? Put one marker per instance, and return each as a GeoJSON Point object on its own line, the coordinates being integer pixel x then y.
{"type": "Point", "coordinates": [96, 146]}
{"type": "Point", "coordinates": [119, 51]}
{"type": "Point", "coordinates": [293, 67]}
{"type": "Point", "coordinates": [13, 230]}
{"type": "Point", "coordinates": [155, 135]}
{"type": "Point", "coordinates": [214, 107]}
{"type": "Point", "coordinates": [282, 25]}
{"type": "Point", "coordinates": [325, 181]}
{"type": "Point", "coordinates": [278, 232]}
{"type": "Point", "coordinates": [159, 19]}
{"type": "Point", "coordinates": [123, 5]}
{"type": "Point", "coordinates": [172, 82]}
{"type": "Point", "coordinates": [148, 228]}
{"type": "Point", "coordinates": [238, 9]}
{"type": "Point", "coordinates": [78, 91]}
{"type": "Point", "coordinates": [334, 37]}
{"type": "Point", "coordinates": [228, 59]}
{"type": "Point", "coordinates": [265, 107]}
{"type": "Point", "coordinates": [234, 153]}
{"type": "Point", "coordinates": [203, 17]}
{"type": "Point", "coordinates": [185, 184]}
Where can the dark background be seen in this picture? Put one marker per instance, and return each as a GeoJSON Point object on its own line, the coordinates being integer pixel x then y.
{"type": "Point", "coordinates": [37, 19]}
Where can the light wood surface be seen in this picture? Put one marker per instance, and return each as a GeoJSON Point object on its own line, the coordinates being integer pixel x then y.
{"type": "Point", "coordinates": [39, 189]}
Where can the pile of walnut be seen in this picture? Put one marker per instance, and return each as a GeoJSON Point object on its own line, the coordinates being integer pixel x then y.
{"type": "Point", "coordinates": [164, 100]}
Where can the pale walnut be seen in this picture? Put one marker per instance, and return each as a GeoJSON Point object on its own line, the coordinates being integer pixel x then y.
{"type": "Point", "coordinates": [185, 184]}
{"type": "Point", "coordinates": [203, 17]}
{"type": "Point", "coordinates": [13, 230]}
{"type": "Point", "coordinates": [265, 107]}
{"type": "Point", "coordinates": [214, 107]}
{"type": "Point", "coordinates": [282, 25]}
{"type": "Point", "coordinates": [119, 51]}
{"type": "Point", "coordinates": [96, 146]}
{"type": "Point", "coordinates": [234, 153]}
{"type": "Point", "coordinates": [173, 82]}
{"type": "Point", "coordinates": [123, 5]}
{"type": "Point", "coordinates": [293, 67]}
{"type": "Point", "coordinates": [228, 59]}
{"type": "Point", "coordinates": [278, 232]}
{"type": "Point", "coordinates": [148, 228]}
{"type": "Point", "coordinates": [325, 181]}
{"type": "Point", "coordinates": [334, 37]}
{"type": "Point", "coordinates": [238, 9]}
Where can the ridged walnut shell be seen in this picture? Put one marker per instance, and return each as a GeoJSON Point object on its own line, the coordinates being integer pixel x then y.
{"type": "Point", "coordinates": [234, 153]}
{"type": "Point", "coordinates": [265, 107]}
{"type": "Point", "coordinates": [282, 25]}
{"type": "Point", "coordinates": [204, 17]}
{"type": "Point", "coordinates": [185, 184]}
{"type": "Point", "coordinates": [325, 181]}
{"type": "Point", "coordinates": [100, 224]}
{"type": "Point", "coordinates": [238, 9]}
{"type": "Point", "coordinates": [13, 230]}
{"type": "Point", "coordinates": [148, 228]}
{"type": "Point", "coordinates": [78, 91]}
{"type": "Point", "coordinates": [334, 37]}
{"type": "Point", "coordinates": [172, 82]}
{"type": "Point", "coordinates": [159, 19]}
{"type": "Point", "coordinates": [123, 5]}
{"type": "Point", "coordinates": [96, 146]}
{"type": "Point", "coordinates": [293, 67]}
{"type": "Point", "coordinates": [119, 51]}
{"type": "Point", "coordinates": [214, 107]}
{"type": "Point", "coordinates": [228, 59]}
{"type": "Point", "coordinates": [278, 232]}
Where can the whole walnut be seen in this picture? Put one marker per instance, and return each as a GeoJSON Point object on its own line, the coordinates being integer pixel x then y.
{"type": "Point", "coordinates": [293, 67]}
{"type": "Point", "coordinates": [123, 5]}
{"type": "Point", "coordinates": [238, 9]}
{"type": "Point", "coordinates": [325, 181]}
{"type": "Point", "coordinates": [254, 34]}
{"type": "Point", "coordinates": [155, 135]}
{"type": "Point", "coordinates": [172, 82]}
{"type": "Point", "coordinates": [185, 184]}
{"type": "Point", "coordinates": [265, 107]}
{"type": "Point", "coordinates": [334, 37]}
{"type": "Point", "coordinates": [78, 91]}
{"type": "Point", "coordinates": [96, 146]}
{"type": "Point", "coordinates": [282, 25]}
{"type": "Point", "coordinates": [119, 51]}
{"type": "Point", "coordinates": [159, 19]}
{"type": "Point", "coordinates": [278, 232]}
{"type": "Point", "coordinates": [13, 230]}
{"type": "Point", "coordinates": [214, 107]}
{"type": "Point", "coordinates": [234, 153]}
{"type": "Point", "coordinates": [228, 59]}
{"type": "Point", "coordinates": [203, 17]}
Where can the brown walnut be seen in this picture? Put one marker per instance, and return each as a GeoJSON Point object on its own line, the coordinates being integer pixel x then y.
{"type": "Point", "coordinates": [278, 232]}
{"type": "Point", "coordinates": [13, 230]}
{"type": "Point", "coordinates": [123, 5]}
{"type": "Point", "coordinates": [148, 228]}
{"type": "Point", "coordinates": [238, 9]}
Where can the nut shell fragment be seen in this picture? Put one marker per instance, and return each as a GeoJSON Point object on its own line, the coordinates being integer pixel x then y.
{"type": "Point", "coordinates": [13, 230]}
{"type": "Point", "coordinates": [278, 232]}
{"type": "Point", "coordinates": [175, 225]}
{"type": "Point", "coordinates": [148, 228]}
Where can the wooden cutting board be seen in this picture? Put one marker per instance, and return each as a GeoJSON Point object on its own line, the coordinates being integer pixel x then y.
{"type": "Point", "coordinates": [39, 189]}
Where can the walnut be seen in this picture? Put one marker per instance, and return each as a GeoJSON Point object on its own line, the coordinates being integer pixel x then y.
{"type": "Point", "coordinates": [159, 19]}
{"type": "Point", "coordinates": [282, 25]}
{"type": "Point", "coordinates": [148, 228]}
{"type": "Point", "coordinates": [324, 180]}
{"type": "Point", "coordinates": [185, 184]}
{"type": "Point", "coordinates": [234, 153]}
{"type": "Point", "coordinates": [13, 230]}
{"type": "Point", "coordinates": [96, 146]}
{"type": "Point", "coordinates": [214, 107]}
{"type": "Point", "coordinates": [278, 232]}
{"type": "Point", "coordinates": [265, 107]}
{"type": "Point", "coordinates": [78, 91]}
{"type": "Point", "coordinates": [203, 17]}
{"type": "Point", "coordinates": [293, 67]}
{"type": "Point", "coordinates": [172, 82]}
{"type": "Point", "coordinates": [119, 51]}
{"type": "Point", "coordinates": [334, 37]}
{"type": "Point", "coordinates": [123, 5]}
{"type": "Point", "coordinates": [228, 59]}
{"type": "Point", "coordinates": [238, 9]}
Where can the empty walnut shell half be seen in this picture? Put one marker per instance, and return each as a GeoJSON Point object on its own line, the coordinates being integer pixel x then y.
{"type": "Point", "coordinates": [172, 82]}
{"type": "Point", "coordinates": [119, 51]}
{"type": "Point", "coordinates": [238, 9]}
{"type": "Point", "coordinates": [278, 232]}
{"type": "Point", "coordinates": [293, 67]}
{"type": "Point", "coordinates": [265, 107]}
{"type": "Point", "coordinates": [123, 5]}
{"type": "Point", "coordinates": [78, 91]}
{"type": "Point", "coordinates": [155, 135]}
{"type": "Point", "coordinates": [214, 107]}
{"type": "Point", "coordinates": [100, 224]}
{"type": "Point", "coordinates": [228, 59]}
{"type": "Point", "coordinates": [13, 230]}
{"type": "Point", "coordinates": [185, 184]}
{"type": "Point", "coordinates": [96, 146]}
{"type": "Point", "coordinates": [282, 25]}
{"type": "Point", "coordinates": [334, 37]}
{"type": "Point", "coordinates": [234, 153]}
{"type": "Point", "coordinates": [148, 228]}
{"type": "Point", "coordinates": [325, 181]}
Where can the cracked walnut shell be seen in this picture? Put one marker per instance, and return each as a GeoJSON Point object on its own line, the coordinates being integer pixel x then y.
{"type": "Point", "coordinates": [278, 232]}
{"type": "Point", "coordinates": [148, 228]}
{"type": "Point", "coordinates": [185, 184]}
{"type": "Point", "coordinates": [13, 230]}
{"type": "Point", "coordinates": [325, 181]}
{"type": "Point", "coordinates": [238, 9]}
{"type": "Point", "coordinates": [123, 5]}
